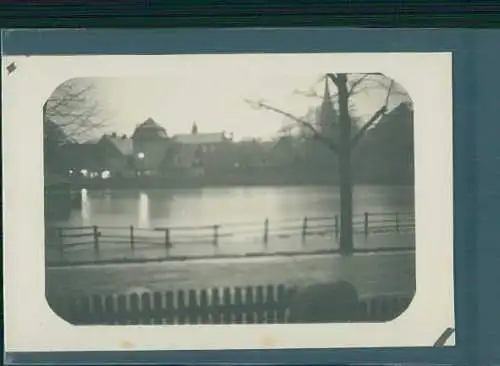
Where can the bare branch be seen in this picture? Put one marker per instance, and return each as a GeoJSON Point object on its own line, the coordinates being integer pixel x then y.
{"type": "Point", "coordinates": [68, 96]}
{"type": "Point", "coordinates": [333, 77]}
{"type": "Point", "coordinates": [389, 93]}
{"type": "Point", "coordinates": [367, 125]}
{"type": "Point", "coordinates": [373, 118]}
{"type": "Point", "coordinates": [316, 134]}
{"type": "Point", "coordinates": [83, 130]}
{"type": "Point", "coordinates": [75, 118]}
{"type": "Point", "coordinates": [393, 87]}
{"type": "Point", "coordinates": [73, 108]}
{"type": "Point", "coordinates": [382, 111]}
{"type": "Point", "coordinates": [313, 94]}
{"type": "Point", "coordinates": [356, 83]}
{"type": "Point", "coordinates": [354, 87]}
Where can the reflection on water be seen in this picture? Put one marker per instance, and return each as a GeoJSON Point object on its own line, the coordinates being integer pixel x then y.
{"type": "Point", "coordinates": [144, 218]}
{"type": "Point", "coordinates": [205, 206]}
{"type": "Point", "coordinates": [185, 207]}
{"type": "Point", "coordinates": [85, 207]}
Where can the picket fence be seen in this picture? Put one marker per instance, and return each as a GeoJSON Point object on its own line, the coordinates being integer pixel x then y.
{"type": "Point", "coordinates": [260, 304]}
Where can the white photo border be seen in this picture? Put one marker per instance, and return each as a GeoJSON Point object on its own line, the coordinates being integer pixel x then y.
{"type": "Point", "coordinates": [31, 326]}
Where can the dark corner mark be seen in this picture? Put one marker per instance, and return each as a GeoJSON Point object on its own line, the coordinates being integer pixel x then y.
{"type": "Point", "coordinates": [11, 68]}
{"type": "Point", "coordinates": [444, 337]}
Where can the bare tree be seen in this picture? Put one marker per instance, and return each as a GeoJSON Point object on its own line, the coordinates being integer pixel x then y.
{"type": "Point", "coordinates": [347, 136]}
{"type": "Point", "coordinates": [72, 114]}
{"type": "Point", "coordinates": [74, 111]}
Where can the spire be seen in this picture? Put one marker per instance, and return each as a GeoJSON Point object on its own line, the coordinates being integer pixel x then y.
{"type": "Point", "coordinates": [194, 129]}
{"type": "Point", "coordinates": [326, 95]}
{"type": "Point", "coordinates": [327, 114]}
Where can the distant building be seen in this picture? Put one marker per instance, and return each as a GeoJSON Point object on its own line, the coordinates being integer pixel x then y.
{"type": "Point", "coordinates": [115, 154]}
{"type": "Point", "coordinates": [200, 152]}
{"type": "Point", "coordinates": [81, 159]}
{"type": "Point", "coordinates": [287, 151]}
{"type": "Point", "coordinates": [251, 153]}
{"type": "Point", "coordinates": [150, 148]}
{"type": "Point", "coordinates": [150, 152]}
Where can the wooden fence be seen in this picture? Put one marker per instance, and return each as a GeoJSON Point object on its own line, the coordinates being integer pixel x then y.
{"type": "Point", "coordinates": [238, 305]}
{"type": "Point", "coordinates": [65, 238]}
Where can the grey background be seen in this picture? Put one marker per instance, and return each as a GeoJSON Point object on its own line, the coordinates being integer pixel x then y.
{"type": "Point", "coordinates": [476, 177]}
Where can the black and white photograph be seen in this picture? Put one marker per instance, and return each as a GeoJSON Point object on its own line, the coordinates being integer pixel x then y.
{"type": "Point", "coordinates": [242, 190]}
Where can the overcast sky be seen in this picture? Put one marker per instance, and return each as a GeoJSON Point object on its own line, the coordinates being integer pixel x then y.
{"type": "Point", "coordinates": [217, 102]}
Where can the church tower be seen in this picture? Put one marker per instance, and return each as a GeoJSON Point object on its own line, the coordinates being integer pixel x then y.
{"type": "Point", "coordinates": [327, 119]}
{"type": "Point", "coordinates": [194, 129]}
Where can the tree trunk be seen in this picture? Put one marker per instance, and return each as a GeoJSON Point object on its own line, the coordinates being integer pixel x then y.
{"type": "Point", "coordinates": [346, 237]}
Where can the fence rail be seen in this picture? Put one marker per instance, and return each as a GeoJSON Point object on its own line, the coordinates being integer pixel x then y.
{"type": "Point", "coordinates": [260, 304]}
{"type": "Point", "coordinates": [64, 239]}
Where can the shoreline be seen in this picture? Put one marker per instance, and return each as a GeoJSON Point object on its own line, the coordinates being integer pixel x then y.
{"type": "Point", "coordinates": [167, 184]}
{"type": "Point", "coordinates": [214, 258]}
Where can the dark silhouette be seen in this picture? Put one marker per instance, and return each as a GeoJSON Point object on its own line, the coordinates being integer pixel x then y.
{"type": "Point", "coordinates": [325, 303]}
{"type": "Point", "coordinates": [344, 146]}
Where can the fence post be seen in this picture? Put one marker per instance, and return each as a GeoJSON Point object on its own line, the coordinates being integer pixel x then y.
{"type": "Point", "coordinates": [96, 239]}
{"type": "Point", "coordinates": [132, 237]}
{"type": "Point", "coordinates": [336, 225]}
{"type": "Point", "coordinates": [366, 223]}
{"type": "Point", "coordinates": [60, 242]}
{"type": "Point", "coordinates": [266, 232]}
{"type": "Point", "coordinates": [167, 240]}
{"type": "Point", "coordinates": [304, 229]}
{"type": "Point", "coordinates": [397, 222]}
{"type": "Point", "coordinates": [216, 235]}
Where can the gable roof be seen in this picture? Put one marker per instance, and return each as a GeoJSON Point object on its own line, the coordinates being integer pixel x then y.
{"type": "Point", "coordinates": [200, 138]}
{"type": "Point", "coordinates": [123, 144]}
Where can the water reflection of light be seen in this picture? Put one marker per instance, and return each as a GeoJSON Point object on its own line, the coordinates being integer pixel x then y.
{"type": "Point", "coordinates": [107, 199]}
{"type": "Point", "coordinates": [85, 207]}
{"type": "Point", "coordinates": [144, 219]}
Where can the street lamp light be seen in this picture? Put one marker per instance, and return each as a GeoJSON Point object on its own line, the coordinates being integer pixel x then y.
{"type": "Point", "coordinates": [140, 156]}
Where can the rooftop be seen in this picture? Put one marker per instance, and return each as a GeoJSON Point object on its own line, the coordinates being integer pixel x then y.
{"type": "Point", "coordinates": [122, 143]}
{"type": "Point", "coordinates": [200, 138]}
{"type": "Point", "coordinates": [149, 129]}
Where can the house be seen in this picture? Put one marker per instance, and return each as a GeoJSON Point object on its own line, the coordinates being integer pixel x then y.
{"type": "Point", "coordinates": [80, 159]}
{"type": "Point", "coordinates": [110, 156]}
{"type": "Point", "coordinates": [115, 156]}
{"type": "Point", "coordinates": [150, 152]}
{"type": "Point", "coordinates": [386, 152]}
{"type": "Point", "coordinates": [201, 152]}
{"type": "Point", "coordinates": [251, 153]}
{"type": "Point", "coordinates": [151, 148]}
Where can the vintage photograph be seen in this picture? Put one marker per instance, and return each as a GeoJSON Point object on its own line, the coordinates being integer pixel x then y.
{"type": "Point", "coordinates": [203, 198]}
{"type": "Point", "coordinates": [228, 201]}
